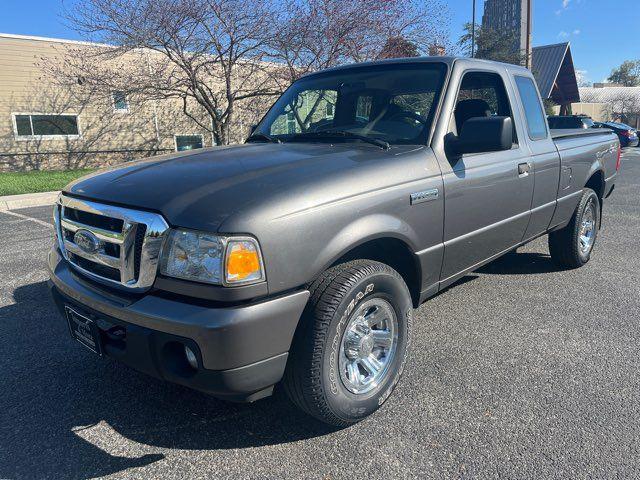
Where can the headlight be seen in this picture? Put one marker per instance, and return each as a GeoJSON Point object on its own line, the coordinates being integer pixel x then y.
{"type": "Point", "coordinates": [209, 258]}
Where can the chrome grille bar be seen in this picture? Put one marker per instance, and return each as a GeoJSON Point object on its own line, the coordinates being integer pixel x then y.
{"type": "Point", "coordinates": [127, 254]}
{"type": "Point", "coordinates": [97, 257]}
{"type": "Point", "coordinates": [105, 235]}
{"type": "Point", "coordinates": [135, 261]}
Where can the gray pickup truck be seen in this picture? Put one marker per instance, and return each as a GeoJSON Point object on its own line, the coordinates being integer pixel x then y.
{"type": "Point", "coordinates": [298, 257]}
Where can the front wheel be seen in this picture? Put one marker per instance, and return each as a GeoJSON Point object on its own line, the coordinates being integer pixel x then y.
{"type": "Point", "coordinates": [572, 245]}
{"type": "Point", "coordinates": [352, 344]}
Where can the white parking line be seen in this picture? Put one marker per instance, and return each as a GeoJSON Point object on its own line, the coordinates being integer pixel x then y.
{"type": "Point", "coordinates": [24, 217]}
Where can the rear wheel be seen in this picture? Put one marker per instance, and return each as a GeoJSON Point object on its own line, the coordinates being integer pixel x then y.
{"type": "Point", "coordinates": [572, 246]}
{"type": "Point", "coordinates": [352, 344]}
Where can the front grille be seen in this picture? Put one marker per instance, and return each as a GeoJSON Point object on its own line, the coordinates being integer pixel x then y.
{"type": "Point", "coordinates": [95, 268]}
{"type": "Point", "coordinates": [140, 233]}
{"type": "Point", "coordinates": [93, 220]}
{"type": "Point", "coordinates": [113, 245]}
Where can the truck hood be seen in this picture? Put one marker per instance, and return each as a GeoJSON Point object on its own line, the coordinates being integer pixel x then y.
{"type": "Point", "coordinates": [202, 188]}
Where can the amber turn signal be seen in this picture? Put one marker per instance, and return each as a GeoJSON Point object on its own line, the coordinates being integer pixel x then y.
{"type": "Point", "coordinates": [243, 262]}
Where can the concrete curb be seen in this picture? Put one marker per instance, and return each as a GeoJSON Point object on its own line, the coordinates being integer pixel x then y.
{"type": "Point", "coordinates": [13, 202]}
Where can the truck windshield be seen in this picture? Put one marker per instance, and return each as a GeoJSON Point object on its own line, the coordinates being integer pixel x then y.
{"type": "Point", "coordinates": [381, 104]}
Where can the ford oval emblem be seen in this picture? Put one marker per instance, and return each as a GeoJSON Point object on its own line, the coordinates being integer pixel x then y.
{"type": "Point", "coordinates": [86, 241]}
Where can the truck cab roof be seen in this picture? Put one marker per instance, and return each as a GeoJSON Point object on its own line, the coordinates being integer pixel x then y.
{"type": "Point", "coordinates": [449, 61]}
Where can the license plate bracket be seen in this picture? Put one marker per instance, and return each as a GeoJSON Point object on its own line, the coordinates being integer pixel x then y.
{"type": "Point", "coordinates": [84, 330]}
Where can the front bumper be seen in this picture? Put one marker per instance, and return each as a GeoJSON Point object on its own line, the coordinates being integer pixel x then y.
{"type": "Point", "coordinates": [242, 350]}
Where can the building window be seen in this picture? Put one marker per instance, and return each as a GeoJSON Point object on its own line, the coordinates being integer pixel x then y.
{"type": "Point", "coordinates": [41, 126]}
{"type": "Point", "coordinates": [188, 142]}
{"type": "Point", "coordinates": [120, 103]}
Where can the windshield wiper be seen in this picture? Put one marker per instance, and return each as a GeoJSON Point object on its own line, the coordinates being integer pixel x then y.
{"type": "Point", "coordinates": [263, 136]}
{"type": "Point", "coordinates": [344, 134]}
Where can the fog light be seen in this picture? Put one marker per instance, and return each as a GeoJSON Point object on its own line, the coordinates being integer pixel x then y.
{"type": "Point", "coordinates": [191, 357]}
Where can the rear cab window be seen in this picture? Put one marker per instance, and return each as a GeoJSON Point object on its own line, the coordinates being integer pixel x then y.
{"type": "Point", "coordinates": [534, 115]}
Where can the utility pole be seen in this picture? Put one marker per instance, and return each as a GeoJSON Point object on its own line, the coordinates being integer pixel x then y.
{"type": "Point", "coordinates": [528, 39]}
{"type": "Point", "coordinates": [473, 29]}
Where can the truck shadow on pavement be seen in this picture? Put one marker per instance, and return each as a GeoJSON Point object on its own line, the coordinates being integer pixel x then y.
{"type": "Point", "coordinates": [523, 263]}
{"type": "Point", "coordinates": [68, 414]}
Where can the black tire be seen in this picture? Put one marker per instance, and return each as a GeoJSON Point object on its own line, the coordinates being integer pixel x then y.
{"type": "Point", "coordinates": [312, 379]}
{"type": "Point", "coordinates": [565, 245]}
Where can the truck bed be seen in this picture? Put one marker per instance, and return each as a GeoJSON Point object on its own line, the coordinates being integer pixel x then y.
{"type": "Point", "coordinates": [579, 132]}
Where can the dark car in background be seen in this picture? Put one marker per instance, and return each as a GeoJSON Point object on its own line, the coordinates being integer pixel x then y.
{"type": "Point", "coordinates": [628, 135]}
{"type": "Point", "coordinates": [561, 122]}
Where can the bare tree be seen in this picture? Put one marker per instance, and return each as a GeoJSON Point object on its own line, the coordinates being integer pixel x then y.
{"type": "Point", "coordinates": [218, 58]}
{"type": "Point", "coordinates": [582, 79]}
{"type": "Point", "coordinates": [625, 106]}
{"type": "Point", "coordinates": [317, 34]}
{"type": "Point", "coordinates": [398, 47]}
{"type": "Point", "coordinates": [207, 54]}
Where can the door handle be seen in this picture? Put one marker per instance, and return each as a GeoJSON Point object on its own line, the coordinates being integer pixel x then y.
{"type": "Point", "coordinates": [523, 169]}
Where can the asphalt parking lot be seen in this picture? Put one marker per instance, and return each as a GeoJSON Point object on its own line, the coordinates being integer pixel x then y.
{"type": "Point", "coordinates": [518, 371]}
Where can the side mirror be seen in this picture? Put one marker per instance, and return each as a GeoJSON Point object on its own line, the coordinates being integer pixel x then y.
{"type": "Point", "coordinates": [483, 134]}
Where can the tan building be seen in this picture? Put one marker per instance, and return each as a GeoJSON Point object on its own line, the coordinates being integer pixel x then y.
{"type": "Point", "coordinates": [623, 103]}
{"type": "Point", "coordinates": [45, 126]}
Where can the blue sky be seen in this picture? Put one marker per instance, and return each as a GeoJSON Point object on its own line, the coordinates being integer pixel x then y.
{"type": "Point", "coordinates": [601, 32]}
{"type": "Point", "coordinates": [602, 35]}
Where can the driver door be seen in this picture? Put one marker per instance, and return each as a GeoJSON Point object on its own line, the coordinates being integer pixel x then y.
{"type": "Point", "coordinates": [487, 196]}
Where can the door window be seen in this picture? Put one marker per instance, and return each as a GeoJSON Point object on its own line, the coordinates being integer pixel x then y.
{"type": "Point", "coordinates": [482, 94]}
{"type": "Point", "coordinates": [188, 142]}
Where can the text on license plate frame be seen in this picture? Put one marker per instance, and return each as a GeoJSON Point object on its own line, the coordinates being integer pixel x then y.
{"type": "Point", "coordinates": [83, 329]}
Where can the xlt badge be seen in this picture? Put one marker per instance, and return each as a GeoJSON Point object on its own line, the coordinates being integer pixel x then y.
{"type": "Point", "coordinates": [424, 196]}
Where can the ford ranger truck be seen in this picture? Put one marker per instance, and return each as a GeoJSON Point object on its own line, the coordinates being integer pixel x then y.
{"type": "Point", "coordinates": [298, 257]}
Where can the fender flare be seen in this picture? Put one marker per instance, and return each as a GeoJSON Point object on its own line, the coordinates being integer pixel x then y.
{"type": "Point", "coordinates": [361, 231]}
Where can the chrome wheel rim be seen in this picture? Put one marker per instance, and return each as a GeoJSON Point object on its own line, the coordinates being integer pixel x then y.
{"type": "Point", "coordinates": [368, 346]}
{"type": "Point", "coordinates": [587, 227]}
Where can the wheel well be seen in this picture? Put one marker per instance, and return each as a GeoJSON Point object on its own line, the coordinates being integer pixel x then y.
{"type": "Point", "coordinates": [394, 253]}
{"type": "Point", "coordinates": [596, 183]}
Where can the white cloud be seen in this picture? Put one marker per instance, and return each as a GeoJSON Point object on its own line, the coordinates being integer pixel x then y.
{"type": "Point", "coordinates": [565, 5]}
{"type": "Point", "coordinates": [564, 34]}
